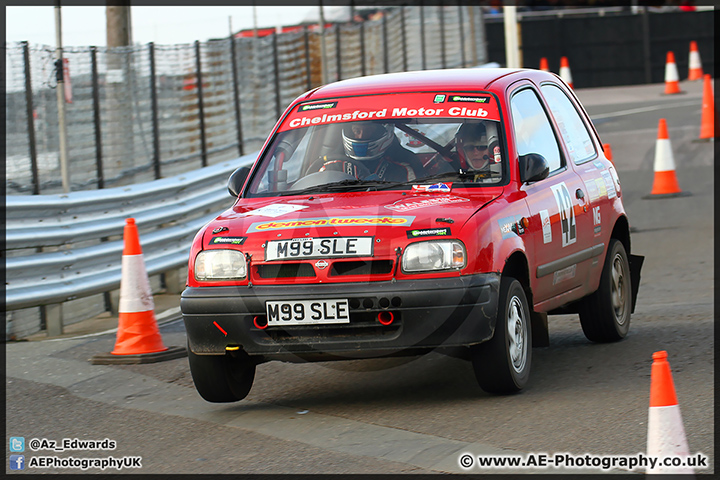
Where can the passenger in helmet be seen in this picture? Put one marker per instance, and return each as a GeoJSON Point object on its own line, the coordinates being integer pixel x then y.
{"type": "Point", "coordinates": [471, 142]}
{"type": "Point", "coordinates": [375, 153]}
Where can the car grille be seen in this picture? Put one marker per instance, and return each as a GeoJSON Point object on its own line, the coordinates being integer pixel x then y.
{"type": "Point", "coordinates": [373, 267]}
{"type": "Point", "coordinates": [285, 270]}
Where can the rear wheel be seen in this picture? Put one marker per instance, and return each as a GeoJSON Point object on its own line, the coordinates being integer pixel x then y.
{"type": "Point", "coordinates": [502, 364]}
{"type": "Point", "coordinates": [222, 378]}
{"type": "Point", "coordinates": [605, 315]}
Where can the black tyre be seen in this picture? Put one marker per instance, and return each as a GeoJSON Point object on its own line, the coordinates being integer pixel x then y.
{"type": "Point", "coordinates": [605, 315]}
{"type": "Point", "coordinates": [502, 364]}
{"type": "Point", "coordinates": [222, 378]}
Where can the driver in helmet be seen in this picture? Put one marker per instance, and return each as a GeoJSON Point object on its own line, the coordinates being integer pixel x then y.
{"type": "Point", "coordinates": [375, 153]}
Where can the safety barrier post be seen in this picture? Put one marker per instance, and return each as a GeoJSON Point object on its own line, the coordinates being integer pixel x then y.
{"type": "Point", "coordinates": [443, 57]}
{"type": "Point", "coordinates": [338, 50]}
{"type": "Point", "coordinates": [363, 70]}
{"type": "Point", "coordinates": [201, 106]}
{"type": "Point", "coordinates": [154, 111]}
{"type": "Point", "coordinates": [276, 64]}
{"type": "Point", "coordinates": [404, 37]}
{"type": "Point", "coordinates": [308, 74]}
{"type": "Point", "coordinates": [30, 120]}
{"type": "Point", "coordinates": [461, 25]}
{"type": "Point", "coordinates": [236, 95]}
{"type": "Point", "coordinates": [386, 53]}
{"type": "Point", "coordinates": [422, 35]}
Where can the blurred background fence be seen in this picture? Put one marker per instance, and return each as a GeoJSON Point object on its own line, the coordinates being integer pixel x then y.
{"type": "Point", "coordinates": [146, 112]}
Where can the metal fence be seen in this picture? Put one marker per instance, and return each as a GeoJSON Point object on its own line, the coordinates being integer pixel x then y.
{"type": "Point", "coordinates": [64, 251]}
{"type": "Point", "coordinates": [150, 111]}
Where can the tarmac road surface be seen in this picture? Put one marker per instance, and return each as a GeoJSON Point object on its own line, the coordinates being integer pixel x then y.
{"type": "Point", "coordinates": [419, 415]}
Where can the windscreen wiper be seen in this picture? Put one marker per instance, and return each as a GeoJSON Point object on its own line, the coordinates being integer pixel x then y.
{"type": "Point", "coordinates": [343, 185]}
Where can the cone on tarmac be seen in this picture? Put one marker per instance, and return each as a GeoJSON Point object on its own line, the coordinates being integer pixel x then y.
{"type": "Point", "coordinates": [138, 336]}
{"type": "Point", "coordinates": [672, 80]}
{"type": "Point", "coordinates": [565, 71]}
{"type": "Point", "coordinates": [665, 183]}
{"type": "Point", "coordinates": [695, 71]}
{"type": "Point", "coordinates": [666, 434]}
{"type": "Point", "coordinates": [707, 120]}
{"type": "Point", "coordinates": [544, 65]}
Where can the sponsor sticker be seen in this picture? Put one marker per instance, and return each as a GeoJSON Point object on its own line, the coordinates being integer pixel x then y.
{"type": "Point", "coordinates": [317, 106]}
{"type": "Point", "coordinates": [592, 190]}
{"type": "Point", "coordinates": [506, 226]}
{"type": "Point", "coordinates": [609, 184]}
{"type": "Point", "coordinates": [390, 221]}
{"type": "Point", "coordinates": [227, 240]}
{"type": "Point", "coordinates": [427, 202]}
{"type": "Point", "coordinates": [546, 226]}
{"type": "Point", "coordinates": [602, 189]}
{"type": "Point", "coordinates": [468, 99]}
{"type": "Point", "coordinates": [564, 274]}
{"type": "Point", "coordinates": [436, 188]}
{"type": "Point", "coordinates": [599, 164]}
{"type": "Point", "coordinates": [429, 232]}
{"type": "Point", "coordinates": [439, 99]}
{"type": "Point", "coordinates": [276, 210]}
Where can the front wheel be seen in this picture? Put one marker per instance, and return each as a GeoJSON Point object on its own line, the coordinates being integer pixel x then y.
{"type": "Point", "coordinates": [502, 364]}
{"type": "Point", "coordinates": [605, 314]}
{"type": "Point", "coordinates": [222, 378]}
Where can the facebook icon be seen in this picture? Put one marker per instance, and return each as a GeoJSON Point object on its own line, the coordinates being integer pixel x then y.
{"type": "Point", "coordinates": [17, 462]}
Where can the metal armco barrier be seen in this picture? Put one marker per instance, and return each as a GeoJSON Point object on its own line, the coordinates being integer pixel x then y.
{"type": "Point", "coordinates": [168, 213]}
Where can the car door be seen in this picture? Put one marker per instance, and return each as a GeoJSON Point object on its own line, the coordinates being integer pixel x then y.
{"type": "Point", "coordinates": [559, 214]}
{"type": "Point", "coordinates": [594, 171]}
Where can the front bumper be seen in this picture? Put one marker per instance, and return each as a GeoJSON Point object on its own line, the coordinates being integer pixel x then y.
{"type": "Point", "coordinates": [429, 313]}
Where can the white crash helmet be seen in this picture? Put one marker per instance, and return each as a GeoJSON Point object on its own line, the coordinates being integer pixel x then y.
{"type": "Point", "coordinates": [376, 139]}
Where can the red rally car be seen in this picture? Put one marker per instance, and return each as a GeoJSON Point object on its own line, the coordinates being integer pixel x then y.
{"type": "Point", "coordinates": [398, 214]}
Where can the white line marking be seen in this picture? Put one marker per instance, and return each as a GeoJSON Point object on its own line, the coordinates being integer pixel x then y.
{"type": "Point", "coordinates": [643, 109]}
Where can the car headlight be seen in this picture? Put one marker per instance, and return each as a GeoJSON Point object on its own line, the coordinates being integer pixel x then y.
{"type": "Point", "coordinates": [433, 255]}
{"type": "Point", "coordinates": [220, 265]}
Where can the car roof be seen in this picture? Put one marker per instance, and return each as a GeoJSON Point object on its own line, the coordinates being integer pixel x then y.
{"type": "Point", "coordinates": [460, 79]}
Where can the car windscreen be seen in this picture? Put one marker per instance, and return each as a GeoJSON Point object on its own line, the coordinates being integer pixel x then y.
{"type": "Point", "coordinates": [384, 141]}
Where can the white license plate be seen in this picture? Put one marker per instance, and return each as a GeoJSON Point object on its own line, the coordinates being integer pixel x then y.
{"type": "Point", "coordinates": [307, 312]}
{"type": "Point", "coordinates": [319, 248]}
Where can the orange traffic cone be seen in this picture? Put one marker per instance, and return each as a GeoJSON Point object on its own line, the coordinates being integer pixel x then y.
{"type": "Point", "coordinates": [707, 122]}
{"type": "Point", "coordinates": [138, 336]}
{"type": "Point", "coordinates": [544, 65]}
{"type": "Point", "coordinates": [695, 71]}
{"type": "Point", "coordinates": [665, 183]}
{"type": "Point", "coordinates": [672, 79]}
{"type": "Point", "coordinates": [565, 71]}
{"type": "Point", "coordinates": [666, 434]}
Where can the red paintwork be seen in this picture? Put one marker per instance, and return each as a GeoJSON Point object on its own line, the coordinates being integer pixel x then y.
{"type": "Point", "coordinates": [477, 212]}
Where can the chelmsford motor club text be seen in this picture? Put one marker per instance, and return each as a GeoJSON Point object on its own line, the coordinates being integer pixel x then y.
{"type": "Point", "coordinates": [397, 112]}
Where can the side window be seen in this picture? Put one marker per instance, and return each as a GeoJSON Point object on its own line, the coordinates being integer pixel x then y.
{"type": "Point", "coordinates": [572, 129]}
{"type": "Point", "coordinates": [533, 132]}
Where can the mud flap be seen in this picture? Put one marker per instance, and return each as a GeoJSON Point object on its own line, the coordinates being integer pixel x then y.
{"type": "Point", "coordinates": [636, 262]}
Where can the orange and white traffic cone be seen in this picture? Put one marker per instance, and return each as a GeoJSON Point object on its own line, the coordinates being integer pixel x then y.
{"type": "Point", "coordinates": [565, 71]}
{"type": "Point", "coordinates": [707, 120]}
{"type": "Point", "coordinates": [138, 336]}
{"type": "Point", "coordinates": [666, 434]}
{"type": "Point", "coordinates": [695, 71]}
{"type": "Point", "coordinates": [672, 80]}
{"type": "Point", "coordinates": [665, 183]}
{"type": "Point", "coordinates": [544, 65]}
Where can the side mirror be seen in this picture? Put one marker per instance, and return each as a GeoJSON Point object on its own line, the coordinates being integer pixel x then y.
{"type": "Point", "coordinates": [533, 167]}
{"type": "Point", "coordinates": [237, 180]}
